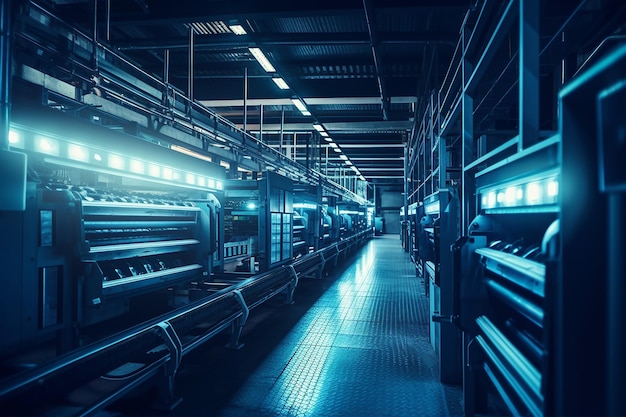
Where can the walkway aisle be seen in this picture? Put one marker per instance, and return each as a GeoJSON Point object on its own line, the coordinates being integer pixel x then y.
{"type": "Point", "coordinates": [361, 350]}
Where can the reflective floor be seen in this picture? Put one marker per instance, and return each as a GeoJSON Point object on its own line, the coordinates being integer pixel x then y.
{"type": "Point", "coordinates": [355, 344]}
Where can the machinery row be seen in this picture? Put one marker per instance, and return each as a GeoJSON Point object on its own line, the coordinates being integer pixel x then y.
{"type": "Point", "coordinates": [122, 249]}
{"type": "Point", "coordinates": [518, 251]}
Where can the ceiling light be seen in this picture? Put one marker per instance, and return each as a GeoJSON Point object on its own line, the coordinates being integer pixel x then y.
{"type": "Point", "coordinates": [328, 139]}
{"type": "Point", "coordinates": [300, 106]}
{"type": "Point", "coordinates": [333, 144]}
{"type": "Point", "coordinates": [238, 29]}
{"type": "Point", "coordinates": [342, 156]}
{"type": "Point", "coordinates": [318, 127]}
{"type": "Point", "coordinates": [280, 83]}
{"type": "Point", "coordinates": [262, 59]}
{"type": "Point", "coordinates": [355, 169]}
{"type": "Point", "coordinates": [336, 149]}
{"type": "Point", "coordinates": [348, 162]}
{"type": "Point", "coordinates": [323, 133]}
{"type": "Point", "coordinates": [361, 178]}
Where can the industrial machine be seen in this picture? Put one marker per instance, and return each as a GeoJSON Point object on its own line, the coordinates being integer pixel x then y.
{"type": "Point", "coordinates": [506, 266]}
{"type": "Point", "coordinates": [258, 222]}
{"type": "Point", "coordinates": [103, 233]}
{"type": "Point", "coordinates": [436, 232]}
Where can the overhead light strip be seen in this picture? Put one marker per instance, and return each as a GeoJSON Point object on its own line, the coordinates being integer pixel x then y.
{"type": "Point", "coordinates": [258, 54]}
{"type": "Point", "coordinates": [280, 83]}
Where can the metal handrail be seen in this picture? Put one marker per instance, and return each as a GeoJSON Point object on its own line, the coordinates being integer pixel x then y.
{"type": "Point", "coordinates": [221, 309]}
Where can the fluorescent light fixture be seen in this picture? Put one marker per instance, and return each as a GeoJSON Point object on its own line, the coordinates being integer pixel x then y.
{"type": "Point", "coordinates": [300, 106]}
{"type": "Point", "coordinates": [97, 157]}
{"type": "Point", "coordinates": [362, 178]}
{"type": "Point", "coordinates": [328, 139]}
{"type": "Point", "coordinates": [190, 153]}
{"type": "Point", "coordinates": [237, 29]}
{"type": "Point", "coordinates": [201, 181]}
{"type": "Point", "coordinates": [219, 185]}
{"type": "Point", "coordinates": [317, 126]}
{"type": "Point", "coordinates": [336, 149]}
{"type": "Point", "coordinates": [342, 156]}
{"type": "Point", "coordinates": [225, 164]}
{"type": "Point", "coordinates": [280, 83]}
{"type": "Point", "coordinates": [190, 179]}
{"type": "Point", "coordinates": [211, 183]}
{"type": "Point", "coordinates": [348, 162]}
{"type": "Point", "coordinates": [262, 59]}
{"type": "Point", "coordinates": [333, 145]}
{"type": "Point", "coordinates": [323, 133]}
{"type": "Point", "coordinates": [355, 169]}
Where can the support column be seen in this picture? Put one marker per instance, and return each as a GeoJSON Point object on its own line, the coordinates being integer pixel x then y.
{"type": "Point", "coordinates": [528, 74]}
{"type": "Point", "coordinates": [468, 205]}
{"type": "Point", "coordinates": [191, 59]}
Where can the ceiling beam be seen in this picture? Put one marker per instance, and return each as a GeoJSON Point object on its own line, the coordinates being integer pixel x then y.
{"type": "Point", "coordinates": [229, 41]}
{"type": "Point", "coordinates": [311, 101]}
{"type": "Point", "coordinates": [340, 127]}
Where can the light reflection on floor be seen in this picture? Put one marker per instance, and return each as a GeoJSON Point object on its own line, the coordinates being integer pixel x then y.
{"type": "Point", "coordinates": [361, 350]}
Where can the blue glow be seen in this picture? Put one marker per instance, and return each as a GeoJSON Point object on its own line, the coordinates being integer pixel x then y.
{"type": "Point", "coordinates": [46, 145]}
{"type": "Point", "coordinates": [138, 167]}
{"type": "Point", "coordinates": [116, 161]}
{"type": "Point", "coordinates": [167, 173]}
{"type": "Point", "coordinates": [251, 205]}
{"type": "Point", "coordinates": [15, 139]}
{"type": "Point", "coordinates": [533, 193]}
{"type": "Point", "coordinates": [553, 188]}
{"type": "Point", "coordinates": [77, 152]}
{"type": "Point", "coordinates": [97, 157]}
{"type": "Point", "coordinates": [310, 206]}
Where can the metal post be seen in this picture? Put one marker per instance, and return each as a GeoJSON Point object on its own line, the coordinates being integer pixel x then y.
{"type": "Point", "coordinates": [108, 20]}
{"type": "Point", "coordinates": [467, 151]}
{"type": "Point", "coordinates": [95, 34]}
{"type": "Point", "coordinates": [528, 73]}
{"type": "Point", "coordinates": [5, 73]}
{"type": "Point", "coordinates": [261, 125]}
{"type": "Point", "coordinates": [191, 52]}
{"type": "Point", "coordinates": [166, 66]}
{"type": "Point", "coordinates": [282, 129]}
{"type": "Point", "coordinates": [245, 99]}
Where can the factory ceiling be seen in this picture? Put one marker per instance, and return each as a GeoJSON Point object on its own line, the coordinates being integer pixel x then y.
{"type": "Point", "coordinates": [364, 69]}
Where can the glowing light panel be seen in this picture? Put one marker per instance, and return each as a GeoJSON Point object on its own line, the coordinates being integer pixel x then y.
{"type": "Point", "coordinates": [77, 152]}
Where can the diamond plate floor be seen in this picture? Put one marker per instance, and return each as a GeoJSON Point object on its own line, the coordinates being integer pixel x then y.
{"type": "Point", "coordinates": [358, 348]}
